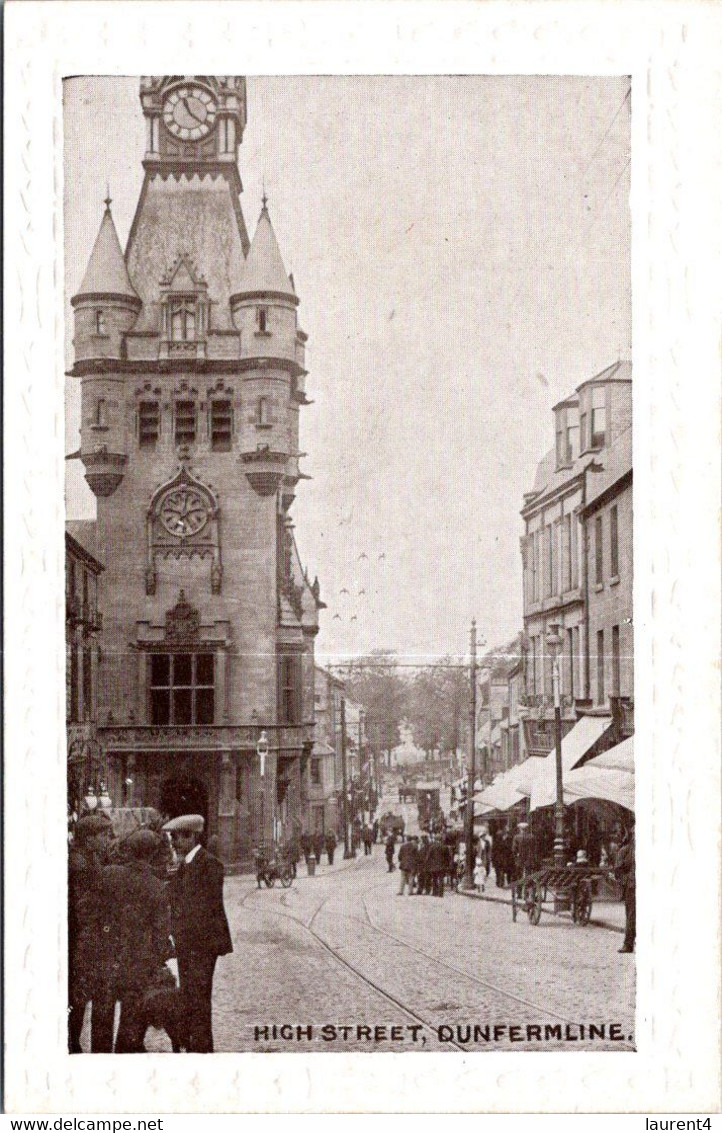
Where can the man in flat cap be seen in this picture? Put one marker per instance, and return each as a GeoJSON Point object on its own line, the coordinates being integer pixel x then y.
{"type": "Point", "coordinates": [140, 931]}
{"type": "Point", "coordinates": [198, 924]}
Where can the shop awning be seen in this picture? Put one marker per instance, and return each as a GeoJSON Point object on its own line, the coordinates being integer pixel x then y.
{"type": "Point", "coordinates": [575, 746]}
{"type": "Point", "coordinates": [501, 794]}
{"type": "Point", "coordinates": [609, 777]}
{"type": "Point", "coordinates": [619, 758]}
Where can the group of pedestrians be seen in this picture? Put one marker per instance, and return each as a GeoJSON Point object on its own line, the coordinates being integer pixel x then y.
{"type": "Point", "coordinates": [317, 844]}
{"type": "Point", "coordinates": [128, 915]}
{"type": "Point", "coordinates": [425, 862]}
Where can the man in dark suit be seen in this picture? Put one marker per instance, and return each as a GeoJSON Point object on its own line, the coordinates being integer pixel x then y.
{"type": "Point", "coordinates": [198, 924]}
{"type": "Point", "coordinates": [436, 866]}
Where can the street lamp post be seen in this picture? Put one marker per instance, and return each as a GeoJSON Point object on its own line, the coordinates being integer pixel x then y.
{"type": "Point", "coordinates": [262, 752]}
{"type": "Point", "coordinates": [553, 644]}
{"type": "Point", "coordinates": [469, 879]}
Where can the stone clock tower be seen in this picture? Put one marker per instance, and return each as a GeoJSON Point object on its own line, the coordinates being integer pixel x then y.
{"type": "Point", "coordinates": [192, 369]}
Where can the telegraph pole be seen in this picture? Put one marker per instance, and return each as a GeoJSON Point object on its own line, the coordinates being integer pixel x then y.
{"type": "Point", "coordinates": [469, 880]}
{"type": "Point", "coordinates": [344, 779]}
{"type": "Point", "coordinates": [361, 765]}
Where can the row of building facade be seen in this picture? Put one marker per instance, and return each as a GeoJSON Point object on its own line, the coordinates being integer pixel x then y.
{"type": "Point", "coordinates": [577, 557]}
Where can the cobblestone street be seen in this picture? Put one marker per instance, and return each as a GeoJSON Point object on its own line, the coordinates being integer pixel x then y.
{"type": "Point", "coordinates": [342, 950]}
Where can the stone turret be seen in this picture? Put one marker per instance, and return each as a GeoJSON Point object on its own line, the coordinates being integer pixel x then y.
{"type": "Point", "coordinates": [106, 307]}
{"type": "Point", "coordinates": [264, 310]}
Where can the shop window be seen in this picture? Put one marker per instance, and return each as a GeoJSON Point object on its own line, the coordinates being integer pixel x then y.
{"type": "Point", "coordinates": [181, 688]}
{"type": "Point", "coordinates": [185, 422]}
{"type": "Point", "coordinates": [221, 425]}
{"type": "Point", "coordinates": [148, 423]}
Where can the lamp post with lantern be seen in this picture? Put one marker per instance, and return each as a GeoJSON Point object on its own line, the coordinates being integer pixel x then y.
{"type": "Point", "coordinates": [554, 641]}
{"type": "Point", "coordinates": [262, 752]}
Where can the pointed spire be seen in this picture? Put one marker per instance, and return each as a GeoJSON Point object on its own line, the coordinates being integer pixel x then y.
{"type": "Point", "coordinates": [263, 269]}
{"type": "Point", "coordinates": [106, 273]}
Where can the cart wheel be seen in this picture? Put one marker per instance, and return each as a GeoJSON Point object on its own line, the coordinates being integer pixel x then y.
{"type": "Point", "coordinates": [582, 909]}
{"type": "Point", "coordinates": [286, 878]}
{"type": "Point", "coordinates": [534, 906]}
{"type": "Point", "coordinates": [269, 879]}
{"type": "Point", "coordinates": [514, 903]}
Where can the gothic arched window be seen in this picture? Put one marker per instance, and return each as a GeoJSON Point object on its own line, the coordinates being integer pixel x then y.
{"type": "Point", "coordinates": [183, 320]}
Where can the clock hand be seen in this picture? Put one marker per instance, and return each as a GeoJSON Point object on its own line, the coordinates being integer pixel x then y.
{"type": "Point", "coordinates": [193, 116]}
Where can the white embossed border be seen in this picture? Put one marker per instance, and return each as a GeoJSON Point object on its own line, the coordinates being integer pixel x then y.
{"type": "Point", "coordinates": [671, 52]}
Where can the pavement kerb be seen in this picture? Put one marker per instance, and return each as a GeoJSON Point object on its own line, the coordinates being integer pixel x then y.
{"type": "Point", "coordinates": [506, 901]}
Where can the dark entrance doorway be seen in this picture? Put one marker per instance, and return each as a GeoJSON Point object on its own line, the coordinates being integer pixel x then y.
{"type": "Point", "coordinates": [182, 794]}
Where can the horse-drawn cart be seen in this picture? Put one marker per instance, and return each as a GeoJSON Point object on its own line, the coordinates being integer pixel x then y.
{"type": "Point", "coordinates": [572, 887]}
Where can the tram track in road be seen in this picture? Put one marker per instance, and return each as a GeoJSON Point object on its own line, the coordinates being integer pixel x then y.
{"type": "Point", "coordinates": [343, 962]}
{"type": "Point", "coordinates": [457, 971]}
{"type": "Point", "coordinates": [414, 960]}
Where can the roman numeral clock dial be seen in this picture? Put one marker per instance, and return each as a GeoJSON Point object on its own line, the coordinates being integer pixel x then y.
{"type": "Point", "coordinates": [189, 113]}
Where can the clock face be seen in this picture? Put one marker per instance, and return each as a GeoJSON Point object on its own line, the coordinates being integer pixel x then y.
{"type": "Point", "coordinates": [189, 113]}
{"type": "Point", "coordinates": [184, 512]}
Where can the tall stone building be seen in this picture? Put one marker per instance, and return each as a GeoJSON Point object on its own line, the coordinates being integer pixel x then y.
{"type": "Point", "coordinates": [192, 368]}
{"type": "Point", "coordinates": [592, 425]}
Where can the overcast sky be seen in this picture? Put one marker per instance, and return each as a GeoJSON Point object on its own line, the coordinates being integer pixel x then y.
{"type": "Point", "coordinates": [461, 250]}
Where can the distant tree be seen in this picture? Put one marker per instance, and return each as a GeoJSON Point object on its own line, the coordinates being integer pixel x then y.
{"type": "Point", "coordinates": [437, 706]}
{"type": "Point", "coordinates": [378, 686]}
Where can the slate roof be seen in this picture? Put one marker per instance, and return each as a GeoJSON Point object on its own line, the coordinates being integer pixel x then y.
{"type": "Point", "coordinates": [106, 273]}
{"type": "Point", "coordinates": [264, 269]}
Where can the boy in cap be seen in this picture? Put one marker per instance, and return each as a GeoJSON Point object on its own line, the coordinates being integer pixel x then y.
{"type": "Point", "coordinates": [198, 924]}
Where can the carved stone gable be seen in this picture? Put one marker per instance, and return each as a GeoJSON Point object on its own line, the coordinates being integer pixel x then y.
{"type": "Point", "coordinates": [182, 623]}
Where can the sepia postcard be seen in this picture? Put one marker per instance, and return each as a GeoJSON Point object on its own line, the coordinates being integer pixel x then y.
{"type": "Point", "coordinates": [363, 529]}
